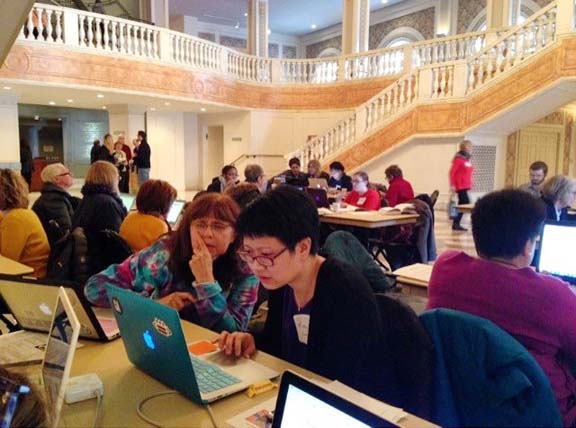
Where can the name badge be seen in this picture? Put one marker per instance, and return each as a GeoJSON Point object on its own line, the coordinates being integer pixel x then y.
{"type": "Point", "coordinates": [361, 201]}
{"type": "Point", "coordinates": [302, 323]}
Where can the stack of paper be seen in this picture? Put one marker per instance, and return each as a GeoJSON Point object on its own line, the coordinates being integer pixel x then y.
{"type": "Point", "coordinates": [418, 273]}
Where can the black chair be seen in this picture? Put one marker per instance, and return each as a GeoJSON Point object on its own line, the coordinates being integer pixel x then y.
{"type": "Point", "coordinates": [434, 197]}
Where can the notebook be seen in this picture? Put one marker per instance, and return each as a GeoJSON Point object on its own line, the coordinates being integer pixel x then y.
{"type": "Point", "coordinates": [30, 302]}
{"type": "Point", "coordinates": [155, 343]}
{"type": "Point", "coordinates": [557, 248]}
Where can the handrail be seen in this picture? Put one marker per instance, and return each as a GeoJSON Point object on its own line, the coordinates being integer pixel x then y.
{"type": "Point", "coordinates": [239, 158]}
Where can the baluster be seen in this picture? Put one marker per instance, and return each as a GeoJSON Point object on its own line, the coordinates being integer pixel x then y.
{"type": "Point", "coordinates": [40, 23]}
{"type": "Point", "coordinates": [121, 40]}
{"type": "Point", "coordinates": [541, 36]}
{"type": "Point", "coordinates": [59, 30]}
{"type": "Point", "coordinates": [97, 32]}
{"type": "Point", "coordinates": [26, 31]}
{"type": "Point", "coordinates": [113, 26]}
{"type": "Point", "coordinates": [409, 92]}
{"type": "Point", "coordinates": [49, 26]}
{"type": "Point", "coordinates": [104, 31]}
{"type": "Point", "coordinates": [551, 27]}
{"type": "Point", "coordinates": [435, 82]}
{"type": "Point", "coordinates": [472, 75]}
{"type": "Point", "coordinates": [91, 36]}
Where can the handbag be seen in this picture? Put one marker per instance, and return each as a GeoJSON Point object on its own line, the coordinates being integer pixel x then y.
{"type": "Point", "coordinates": [452, 213]}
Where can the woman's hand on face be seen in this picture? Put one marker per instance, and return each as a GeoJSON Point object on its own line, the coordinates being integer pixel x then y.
{"type": "Point", "coordinates": [237, 344]}
{"type": "Point", "coordinates": [177, 300]}
{"type": "Point", "coordinates": [201, 261]}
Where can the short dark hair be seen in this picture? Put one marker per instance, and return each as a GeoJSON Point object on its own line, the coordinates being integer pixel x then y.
{"type": "Point", "coordinates": [155, 197]}
{"type": "Point", "coordinates": [284, 213]}
{"type": "Point", "coordinates": [337, 166]}
{"type": "Point", "coordinates": [294, 161]}
{"type": "Point", "coordinates": [539, 165]}
{"type": "Point", "coordinates": [227, 168]}
{"type": "Point", "coordinates": [393, 171]}
{"type": "Point", "coordinates": [244, 194]}
{"type": "Point", "coordinates": [503, 221]}
{"type": "Point", "coordinates": [142, 134]}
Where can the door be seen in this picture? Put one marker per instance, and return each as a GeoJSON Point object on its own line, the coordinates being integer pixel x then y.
{"type": "Point", "coordinates": [538, 143]}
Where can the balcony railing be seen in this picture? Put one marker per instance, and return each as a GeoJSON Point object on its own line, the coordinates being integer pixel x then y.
{"type": "Point", "coordinates": [117, 36]}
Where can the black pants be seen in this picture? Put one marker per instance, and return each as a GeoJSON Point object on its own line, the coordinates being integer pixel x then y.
{"type": "Point", "coordinates": [463, 198]}
{"type": "Point", "coordinates": [124, 185]}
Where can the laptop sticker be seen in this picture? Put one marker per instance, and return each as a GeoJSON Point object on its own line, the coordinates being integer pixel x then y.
{"type": "Point", "coordinates": [149, 340]}
{"type": "Point", "coordinates": [117, 306]}
{"type": "Point", "coordinates": [161, 327]}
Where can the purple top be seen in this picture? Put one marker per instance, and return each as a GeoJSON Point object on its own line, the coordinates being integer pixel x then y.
{"type": "Point", "coordinates": [538, 310]}
{"type": "Point", "coordinates": [293, 349]}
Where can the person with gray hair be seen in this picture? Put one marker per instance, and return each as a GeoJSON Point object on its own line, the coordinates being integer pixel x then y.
{"type": "Point", "coordinates": [55, 206]}
{"type": "Point", "coordinates": [559, 194]}
{"type": "Point", "coordinates": [255, 174]}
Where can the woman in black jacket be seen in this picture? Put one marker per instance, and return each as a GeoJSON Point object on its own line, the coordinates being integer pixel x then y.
{"type": "Point", "coordinates": [559, 194]}
{"type": "Point", "coordinates": [101, 209]}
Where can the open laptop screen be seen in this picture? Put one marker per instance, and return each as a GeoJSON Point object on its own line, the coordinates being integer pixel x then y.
{"type": "Point", "coordinates": [174, 213]}
{"type": "Point", "coordinates": [127, 200]}
{"type": "Point", "coordinates": [557, 249]}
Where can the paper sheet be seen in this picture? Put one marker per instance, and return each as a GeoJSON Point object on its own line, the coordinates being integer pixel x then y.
{"type": "Point", "coordinates": [419, 272]}
{"type": "Point", "coordinates": [254, 417]}
{"type": "Point", "coordinates": [22, 347]}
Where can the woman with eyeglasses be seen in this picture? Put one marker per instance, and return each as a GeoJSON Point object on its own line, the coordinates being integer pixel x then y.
{"type": "Point", "coordinates": [194, 270]}
{"type": "Point", "coordinates": [322, 313]}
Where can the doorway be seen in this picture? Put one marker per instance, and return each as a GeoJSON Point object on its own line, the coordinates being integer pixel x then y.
{"type": "Point", "coordinates": [213, 153]}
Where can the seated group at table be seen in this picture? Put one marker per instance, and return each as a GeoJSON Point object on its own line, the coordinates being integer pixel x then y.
{"type": "Point", "coordinates": [322, 311]}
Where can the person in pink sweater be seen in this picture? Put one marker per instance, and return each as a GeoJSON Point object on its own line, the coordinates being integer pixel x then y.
{"type": "Point", "coordinates": [538, 310]}
{"type": "Point", "coordinates": [461, 178]}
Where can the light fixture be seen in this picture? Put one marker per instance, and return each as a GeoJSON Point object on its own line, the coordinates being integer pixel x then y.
{"type": "Point", "coordinates": [384, 1]}
{"type": "Point", "coordinates": [104, 107]}
{"type": "Point", "coordinates": [245, 13]}
{"type": "Point", "coordinates": [269, 31]}
{"type": "Point", "coordinates": [52, 103]}
{"type": "Point", "coordinates": [59, 119]}
{"type": "Point", "coordinates": [237, 26]}
{"type": "Point", "coordinates": [69, 100]}
{"type": "Point", "coordinates": [36, 117]}
{"type": "Point", "coordinates": [100, 96]}
{"type": "Point", "coordinates": [202, 109]}
{"type": "Point", "coordinates": [7, 88]}
{"type": "Point", "coordinates": [166, 103]}
{"type": "Point", "coordinates": [313, 26]}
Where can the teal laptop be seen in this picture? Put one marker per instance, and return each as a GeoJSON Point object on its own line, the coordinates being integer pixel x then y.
{"type": "Point", "coordinates": [155, 343]}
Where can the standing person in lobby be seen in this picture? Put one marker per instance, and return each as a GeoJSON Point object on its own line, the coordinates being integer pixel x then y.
{"type": "Point", "coordinates": [142, 158]}
{"type": "Point", "coordinates": [363, 196]}
{"type": "Point", "coordinates": [122, 164]}
{"type": "Point", "coordinates": [338, 178]}
{"type": "Point", "coordinates": [538, 172]}
{"type": "Point", "coordinates": [55, 203]}
{"type": "Point", "coordinates": [399, 190]}
{"type": "Point", "coordinates": [106, 151]}
{"type": "Point", "coordinates": [125, 147]}
{"type": "Point", "coordinates": [461, 179]}
{"type": "Point", "coordinates": [94, 151]}
{"type": "Point", "coordinates": [27, 161]}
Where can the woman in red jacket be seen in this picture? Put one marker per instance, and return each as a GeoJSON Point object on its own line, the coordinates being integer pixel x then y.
{"type": "Point", "coordinates": [461, 178]}
{"type": "Point", "coordinates": [400, 190]}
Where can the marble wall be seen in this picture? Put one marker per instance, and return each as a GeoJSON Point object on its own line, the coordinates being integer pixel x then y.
{"type": "Point", "coordinates": [423, 21]}
{"type": "Point", "coordinates": [467, 11]}
{"type": "Point", "coordinates": [233, 42]}
{"type": "Point", "coordinates": [273, 50]}
{"type": "Point", "coordinates": [313, 50]}
{"type": "Point", "coordinates": [289, 52]}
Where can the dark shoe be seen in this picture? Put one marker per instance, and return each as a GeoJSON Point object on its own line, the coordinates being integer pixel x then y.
{"type": "Point", "coordinates": [458, 227]}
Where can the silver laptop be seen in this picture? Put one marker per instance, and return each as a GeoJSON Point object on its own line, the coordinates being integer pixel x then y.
{"type": "Point", "coordinates": [62, 342]}
{"type": "Point", "coordinates": [175, 211]}
{"type": "Point", "coordinates": [31, 301]}
{"type": "Point", "coordinates": [155, 343]}
{"type": "Point", "coordinates": [318, 183]}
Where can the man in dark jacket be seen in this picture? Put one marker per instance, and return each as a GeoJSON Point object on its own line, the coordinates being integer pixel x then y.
{"type": "Point", "coordinates": [55, 206]}
{"type": "Point", "coordinates": [142, 158]}
{"type": "Point", "coordinates": [27, 161]}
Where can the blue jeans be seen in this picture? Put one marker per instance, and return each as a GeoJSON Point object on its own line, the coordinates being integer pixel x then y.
{"type": "Point", "coordinates": [143, 175]}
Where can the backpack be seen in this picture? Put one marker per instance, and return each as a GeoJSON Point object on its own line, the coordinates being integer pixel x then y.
{"type": "Point", "coordinates": [68, 260]}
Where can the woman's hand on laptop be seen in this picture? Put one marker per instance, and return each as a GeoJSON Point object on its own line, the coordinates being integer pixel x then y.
{"type": "Point", "coordinates": [177, 300]}
{"type": "Point", "coordinates": [237, 344]}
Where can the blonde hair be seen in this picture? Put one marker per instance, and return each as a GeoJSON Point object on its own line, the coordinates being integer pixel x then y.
{"type": "Point", "coordinates": [464, 143]}
{"type": "Point", "coordinates": [50, 172]}
{"type": "Point", "coordinates": [103, 173]}
{"type": "Point", "coordinates": [314, 163]}
{"type": "Point", "coordinates": [13, 190]}
{"type": "Point", "coordinates": [557, 187]}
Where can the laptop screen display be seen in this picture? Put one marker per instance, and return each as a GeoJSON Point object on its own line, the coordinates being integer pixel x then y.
{"type": "Point", "coordinates": [127, 200]}
{"type": "Point", "coordinates": [304, 410]}
{"type": "Point", "coordinates": [174, 212]}
{"type": "Point", "coordinates": [557, 251]}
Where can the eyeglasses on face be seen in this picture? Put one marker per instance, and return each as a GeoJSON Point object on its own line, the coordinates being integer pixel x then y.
{"type": "Point", "coordinates": [266, 261]}
{"type": "Point", "coordinates": [216, 227]}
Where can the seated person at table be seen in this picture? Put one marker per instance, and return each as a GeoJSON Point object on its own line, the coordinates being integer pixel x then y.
{"type": "Point", "coordinates": [100, 209]}
{"type": "Point", "coordinates": [538, 310]}
{"type": "Point", "coordinates": [22, 237]}
{"type": "Point", "coordinates": [315, 170]}
{"type": "Point", "coordinates": [538, 172]}
{"type": "Point", "coordinates": [294, 176]}
{"type": "Point", "coordinates": [363, 196]}
{"type": "Point", "coordinates": [31, 410]}
{"type": "Point", "coordinates": [399, 190]}
{"type": "Point", "coordinates": [338, 178]}
{"type": "Point", "coordinates": [255, 174]}
{"type": "Point", "coordinates": [559, 193]}
{"type": "Point", "coordinates": [194, 270]}
{"type": "Point", "coordinates": [322, 313]}
{"type": "Point", "coordinates": [55, 203]}
{"type": "Point", "coordinates": [229, 178]}
{"type": "Point", "coordinates": [244, 194]}
{"type": "Point", "coordinates": [141, 228]}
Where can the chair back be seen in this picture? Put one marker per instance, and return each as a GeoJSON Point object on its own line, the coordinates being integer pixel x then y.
{"type": "Point", "coordinates": [485, 377]}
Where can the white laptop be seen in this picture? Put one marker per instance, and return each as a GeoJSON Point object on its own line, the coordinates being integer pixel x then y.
{"type": "Point", "coordinates": [62, 343]}
{"type": "Point", "coordinates": [128, 200]}
{"type": "Point", "coordinates": [30, 302]}
{"type": "Point", "coordinates": [557, 251]}
{"type": "Point", "coordinates": [175, 211]}
{"type": "Point", "coordinates": [318, 183]}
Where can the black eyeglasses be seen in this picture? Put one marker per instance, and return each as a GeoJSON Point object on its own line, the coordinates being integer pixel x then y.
{"type": "Point", "coordinates": [266, 261]}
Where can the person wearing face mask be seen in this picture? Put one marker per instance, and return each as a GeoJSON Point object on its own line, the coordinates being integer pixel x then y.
{"type": "Point", "coordinates": [338, 178]}
{"type": "Point", "coordinates": [538, 172]}
{"type": "Point", "coordinates": [363, 196]}
{"type": "Point", "coordinates": [194, 270]}
{"type": "Point", "coordinates": [559, 194]}
{"type": "Point", "coordinates": [229, 178]}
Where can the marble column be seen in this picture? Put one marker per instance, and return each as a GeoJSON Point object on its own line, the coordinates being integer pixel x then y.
{"type": "Point", "coordinates": [355, 26]}
{"type": "Point", "coordinates": [257, 28]}
{"type": "Point", "coordinates": [156, 11]}
{"type": "Point", "coordinates": [501, 13]}
{"type": "Point", "coordinates": [446, 17]}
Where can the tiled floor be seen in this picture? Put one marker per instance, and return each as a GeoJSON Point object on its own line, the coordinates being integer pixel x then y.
{"type": "Point", "coordinates": [447, 239]}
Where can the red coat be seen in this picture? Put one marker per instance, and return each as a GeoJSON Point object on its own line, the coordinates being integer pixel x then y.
{"type": "Point", "coordinates": [461, 173]}
{"type": "Point", "coordinates": [368, 201]}
{"type": "Point", "coordinates": [399, 191]}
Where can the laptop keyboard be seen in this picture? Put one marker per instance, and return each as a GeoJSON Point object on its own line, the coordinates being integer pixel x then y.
{"type": "Point", "coordinates": [210, 377]}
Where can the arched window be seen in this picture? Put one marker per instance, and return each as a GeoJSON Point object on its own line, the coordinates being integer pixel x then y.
{"type": "Point", "coordinates": [400, 36]}
{"type": "Point", "coordinates": [329, 52]}
{"type": "Point", "coordinates": [400, 41]}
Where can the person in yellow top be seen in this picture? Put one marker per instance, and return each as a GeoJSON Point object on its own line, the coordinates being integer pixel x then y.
{"type": "Point", "coordinates": [22, 237]}
{"type": "Point", "coordinates": [143, 227]}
